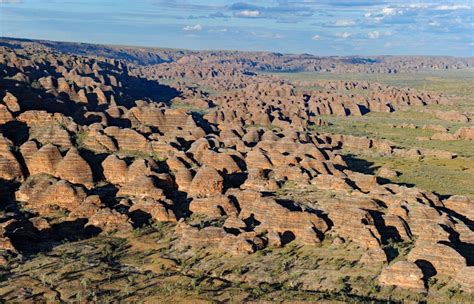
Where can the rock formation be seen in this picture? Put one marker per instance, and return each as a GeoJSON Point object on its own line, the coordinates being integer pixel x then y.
{"type": "Point", "coordinates": [102, 141]}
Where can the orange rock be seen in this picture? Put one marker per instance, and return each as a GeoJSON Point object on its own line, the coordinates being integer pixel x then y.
{"type": "Point", "coordinates": [331, 182]}
{"type": "Point", "coordinates": [45, 160]}
{"type": "Point", "coordinates": [142, 187]}
{"type": "Point", "coordinates": [452, 116]}
{"type": "Point", "coordinates": [213, 206]}
{"type": "Point", "coordinates": [75, 169]}
{"type": "Point", "coordinates": [403, 274]}
{"type": "Point", "coordinates": [206, 182]}
{"type": "Point", "coordinates": [5, 115]}
{"type": "Point", "coordinates": [115, 169]}
{"type": "Point", "coordinates": [11, 102]}
{"type": "Point", "coordinates": [156, 209]}
{"type": "Point", "coordinates": [465, 278]}
{"type": "Point", "coordinates": [220, 161]}
{"type": "Point", "coordinates": [465, 133]}
{"type": "Point", "coordinates": [444, 259]}
{"type": "Point", "coordinates": [258, 159]}
{"type": "Point", "coordinates": [10, 168]}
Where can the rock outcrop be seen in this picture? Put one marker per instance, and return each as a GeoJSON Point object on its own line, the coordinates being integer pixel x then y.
{"type": "Point", "coordinates": [403, 274]}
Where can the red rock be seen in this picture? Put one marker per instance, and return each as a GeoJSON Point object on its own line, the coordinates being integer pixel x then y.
{"type": "Point", "coordinates": [274, 217]}
{"type": "Point", "coordinates": [465, 278]}
{"type": "Point", "coordinates": [257, 159]}
{"type": "Point", "coordinates": [11, 102]}
{"type": "Point", "coordinates": [214, 206]}
{"type": "Point", "coordinates": [373, 257]}
{"type": "Point", "coordinates": [115, 169]}
{"type": "Point", "coordinates": [465, 133]}
{"type": "Point", "coordinates": [461, 204]}
{"type": "Point", "coordinates": [45, 160]}
{"type": "Point", "coordinates": [360, 143]}
{"type": "Point", "coordinates": [452, 116]}
{"type": "Point", "coordinates": [437, 128]}
{"type": "Point", "coordinates": [156, 210]}
{"type": "Point", "coordinates": [331, 182]}
{"type": "Point", "coordinates": [10, 168]}
{"type": "Point", "coordinates": [444, 137]}
{"type": "Point", "coordinates": [439, 154]}
{"type": "Point", "coordinates": [110, 220]}
{"type": "Point", "coordinates": [206, 182]}
{"type": "Point", "coordinates": [75, 169]}
{"type": "Point", "coordinates": [445, 260]}
{"type": "Point", "coordinates": [403, 274]}
{"type": "Point", "coordinates": [183, 179]}
{"type": "Point", "coordinates": [40, 191]}
{"type": "Point", "coordinates": [220, 161]}
{"type": "Point", "coordinates": [127, 139]}
{"type": "Point", "coordinates": [141, 187]}
{"type": "Point", "coordinates": [387, 173]}
{"type": "Point", "coordinates": [5, 115]}
{"type": "Point", "coordinates": [259, 181]}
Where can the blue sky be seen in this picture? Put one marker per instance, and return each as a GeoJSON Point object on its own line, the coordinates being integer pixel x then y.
{"type": "Point", "coordinates": [320, 27]}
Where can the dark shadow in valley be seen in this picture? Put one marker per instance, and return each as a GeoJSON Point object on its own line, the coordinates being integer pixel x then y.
{"type": "Point", "coordinates": [28, 240]}
{"type": "Point", "coordinates": [234, 180]}
{"type": "Point", "coordinates": [427, 268]}
{"type": "Point", "coordinates": [7, 195]}
{"type": "Point", "coordinates": [139, 218]}
{"type": "Point", "coordinates": [357, 164]}
{"type": "Point", "coordinates": [32, 96]}
{"type": "Point", "coordinates": [463, 248]}
{"type": "Point", "coordinates": [361, 165]}
{"type": "Point", "coordinates": [16, 131]}
{"type": "Point", "coordinates": [287, 237]}
{"type": "Point", "coordinates": [289, 204]}
{"type": "Point", "coordinates": [468, 222]}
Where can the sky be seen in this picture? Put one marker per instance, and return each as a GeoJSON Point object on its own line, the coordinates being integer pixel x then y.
{"type": "Point", "coordinates": [319, 27]}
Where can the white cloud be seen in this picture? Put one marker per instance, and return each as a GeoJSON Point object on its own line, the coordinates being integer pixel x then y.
{"type": "Point", "coordinates": [190, 28]}
{"type": "Point", "coordinates": [388, 11]}
{"type": "Point", "coordinates": [222, 30]}
{"type": "Point", "coordinates": [267, 35]}
{"type": "Point", "coordinates": [344, 22]}
{"type": "Point", "coordinates": [374, 35]}
{"type": "Point", "coordinates": [418, 6]}
{"type": "Point", "coordinates": [316, 38]}
{"type": "Point", "coordinates": [343, 35]}
{"type": "Point", "coordinates": [453, 7]}
{"type": "Point", "coordinates": [248, 13]}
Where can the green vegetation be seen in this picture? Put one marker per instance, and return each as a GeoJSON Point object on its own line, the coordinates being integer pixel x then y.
{"type": "Point", "coordinates": [80, 138]}
{"type": "Point", "coordinates": [443, 176]}
{"type": "Point", "coordinates": [146, 266]}
{"type": "Point", "coordinates": [188, 107]}
{"type": "Point", "coordinates": [137, 154]}
{"type": "Point", "coordinates": [450, 82]}
{"type": "Point", "coordinates": [383, 126]}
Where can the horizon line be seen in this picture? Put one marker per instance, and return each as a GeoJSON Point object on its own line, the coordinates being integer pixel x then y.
{"type": "Point", "coordinates": [221, 50]}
